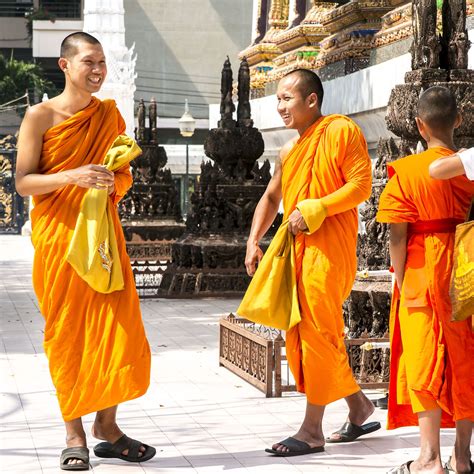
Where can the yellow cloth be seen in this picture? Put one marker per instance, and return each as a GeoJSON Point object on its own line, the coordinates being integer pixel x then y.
{"type": "Point", "coordinates": [93, 251]}
{"type": "Point", "coordinates": [314, 212]}
{"type": "Point", "coordinates": [272, 296]}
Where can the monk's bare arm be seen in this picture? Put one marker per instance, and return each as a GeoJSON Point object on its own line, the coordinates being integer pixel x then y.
{"type": "Point", "coordinates": [447, 167]}
{"type": "Point", "coordinates": [398, 250]}
{"type": "Point", "coordinates": [29, 182]}
{"type": "Point", "coordinates": [264, 215]}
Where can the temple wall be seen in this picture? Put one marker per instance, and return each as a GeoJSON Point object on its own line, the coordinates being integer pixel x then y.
{"type": "Point", "coordinates": [362, 95]}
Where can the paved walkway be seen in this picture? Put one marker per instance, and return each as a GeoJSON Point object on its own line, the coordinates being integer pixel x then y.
{"type": "Point", "coordinates": [201, 417]}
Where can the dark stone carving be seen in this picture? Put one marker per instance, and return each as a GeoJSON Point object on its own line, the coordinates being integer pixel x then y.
{"type": "Point", "coordinates": [140, 132]}
{"type": "Point", "coordinates": [372, 246]}
{"type": "Point", "coordinates": [243, 109]}
{"type": "Point", "coordinates": [153, 118]}
{"type": "Point", "coordinates": [426, 48]}
{"type": "Point", "coordinates": [150, 212]}
{"type": "Point", "coordinates": [227, 104]}
{"type": "Point", "coordinates": [209, 258]}
{"type": "Point", "coordinates": [455, 36]}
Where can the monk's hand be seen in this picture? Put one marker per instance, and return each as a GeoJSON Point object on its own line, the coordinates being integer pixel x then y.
{"type": "Point", "coordinates": [296, 223]}
{"type": "Point", "coordinates": [90, 176]}
{"type": "Point", "coordinates": [252, 257]}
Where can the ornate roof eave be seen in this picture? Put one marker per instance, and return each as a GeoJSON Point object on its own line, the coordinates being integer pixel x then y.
{"type": "Point", "coordinates": [299, 36]}
{"type": "Point", "coordinates": [260, 52]}
{"type": "Point", "coordinates": [353, 12]}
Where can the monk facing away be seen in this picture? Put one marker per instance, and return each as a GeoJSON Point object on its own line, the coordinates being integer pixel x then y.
{"type": "Point", "coordinates": [322, 176]}
{"type": "Point", "coordinates": [95, 342]}
{"type": "Point", "coordinates": [432, 365]}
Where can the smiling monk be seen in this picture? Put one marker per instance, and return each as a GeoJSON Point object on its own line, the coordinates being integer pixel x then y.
{"type": "Point", "coordinates": [95, 341]}
{"type": "Point", "coordinates": [322, 176]}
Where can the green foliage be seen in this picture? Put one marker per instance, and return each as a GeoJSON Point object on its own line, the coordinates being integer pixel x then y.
{"type": "Point", "coordinates": [18, 76]}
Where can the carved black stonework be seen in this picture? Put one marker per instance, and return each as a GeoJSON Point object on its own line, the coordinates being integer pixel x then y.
{"type": "Point", "coordinates": [426, 47]}
{"type": "Point", "coordinates": [243, 109]}
{"type": "Point", "coordinates": [455, 42]}
{"type": "Point", "coordinates": [209, 258]}
{"type": "Point", "coordinates": [150, 212]}
{"type": "Point", "coordinates": [227, 104]}
{"type": "Point", "coordinates": [13, 211]}
{"type": "Point", "coordinates": [367, 310]}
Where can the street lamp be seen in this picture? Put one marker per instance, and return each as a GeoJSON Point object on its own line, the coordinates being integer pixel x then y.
{"type": "Point", "coordinates": [187, 125]}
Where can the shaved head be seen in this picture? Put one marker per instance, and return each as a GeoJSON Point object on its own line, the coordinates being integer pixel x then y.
{"type": "Point", "coordinates": [437, 108]}
{"type": "Point", "coordinates": [308, 83]}
{"type": "Point", "coordinates": [70, 44]}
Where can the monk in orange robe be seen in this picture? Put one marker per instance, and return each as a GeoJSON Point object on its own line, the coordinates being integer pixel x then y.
{"type": "Point", "coordinates": [95, 343]}
{"type": "Point", "coordinates": [432, 365]}
{"type": "Point", "coordinates": [322, 176]}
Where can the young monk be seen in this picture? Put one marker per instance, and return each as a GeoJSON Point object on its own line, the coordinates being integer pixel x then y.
{"type": "Point", "coordinates": [454, 165]}
{"type": "Point", "coordinates": [322, 176]}
{"type": "Point", "coordinates": [95, 342]}
{"type": "Point", "coordinates": [431, 374]}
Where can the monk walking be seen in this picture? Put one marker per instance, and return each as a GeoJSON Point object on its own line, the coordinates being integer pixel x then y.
{"type": "Point", "coordinates": [432, 368]}
{"type": "Point", "coordinates": [95, 342]}
{"type": "Point", "coordinates": [322, 176]}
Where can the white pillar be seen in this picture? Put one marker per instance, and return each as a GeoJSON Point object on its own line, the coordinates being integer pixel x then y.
{"type": "Point", "coordinates": [105, 20]}
{"type": "Point", "coordinates": [255, 17]}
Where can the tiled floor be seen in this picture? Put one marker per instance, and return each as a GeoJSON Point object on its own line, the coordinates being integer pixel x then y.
{"type": "Point", "coordinates": [201, 418]}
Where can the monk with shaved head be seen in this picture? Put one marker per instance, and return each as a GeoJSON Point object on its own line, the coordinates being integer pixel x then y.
{"type": "Point", "coordinates": [94, 338]}
{"type": "Point", "coordinates": [432, 364]}
{"type": "Point", "coordinates": [321, 176]}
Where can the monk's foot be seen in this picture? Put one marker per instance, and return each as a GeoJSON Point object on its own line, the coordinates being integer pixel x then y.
{"type": "Point", "coordinates": [460, 462]}
{"type": "Point", "coordinates": [76, 441]}
{"type": "Point", "coordinates": [421, 466]}
{"type": "Point", "coordinates": [314, 439]}
{"type": "Point", "coordinates": [111, 433]}
{"type": "Point", "coordinates": [361, 408]}
{"type": "Point", "coordinates": [359, 415]}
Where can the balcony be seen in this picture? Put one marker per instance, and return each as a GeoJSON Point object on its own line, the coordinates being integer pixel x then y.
{"type": "Point", "coordinates": [63, 10]}
{"type": "Point", "coordinates": [15, 9]}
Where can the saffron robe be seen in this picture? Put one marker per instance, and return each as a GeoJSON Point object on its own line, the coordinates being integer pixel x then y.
{"type": "Point", "coordinates": [445, 364]}
{"type": "Point", "coordinates": [329, 162]}
{"type": "Point", "coordinates": [95, 343]}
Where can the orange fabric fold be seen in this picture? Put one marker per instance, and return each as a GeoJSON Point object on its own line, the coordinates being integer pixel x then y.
{"type": "Point", "coordinates": [329, 162]}
{"type": "Point", "coordinates": [443, 366]}
{"type": "Point", "coordinates": [95, 343]}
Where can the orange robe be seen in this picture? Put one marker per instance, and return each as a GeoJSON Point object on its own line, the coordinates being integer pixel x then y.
{"type": "Point", "coordinates": [329, 161]}
{"type": "Point", "coordinates": [95, 343]}
{"type": "Point", "coordinates": [431, 356]}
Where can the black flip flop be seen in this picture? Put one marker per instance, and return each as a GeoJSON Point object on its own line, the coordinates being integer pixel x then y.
{"type": "Point", "coordinates": [350, 432]}
{"type": "Point", "coordinates": [109, 450]}
{"type": "Point", "coordinates": [449, 468]}
{"type": "Point", "coordinates": [78, 452]}
{"type": "Point", "coordinates": [296, 448]}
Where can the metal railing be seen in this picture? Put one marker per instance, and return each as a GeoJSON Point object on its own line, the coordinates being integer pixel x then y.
{"type": "Point", "coordinates": [71, 9]}
{"type": "Point", "coordinates": [15, 9]}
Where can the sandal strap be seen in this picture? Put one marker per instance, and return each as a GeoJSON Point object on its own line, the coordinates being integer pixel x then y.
{"type": "Point", "coordinates": [294, 444]}
{"type": "Point", "coordinates": [78, 452]}
{"type": "Point", "coordinates": [124, 443]}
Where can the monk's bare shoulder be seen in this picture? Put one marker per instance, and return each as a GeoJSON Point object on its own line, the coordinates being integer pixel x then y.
{"type": "Point", "coordinates": [40, 117]}
{"type": "Point", "coordinates": [286, 148]}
